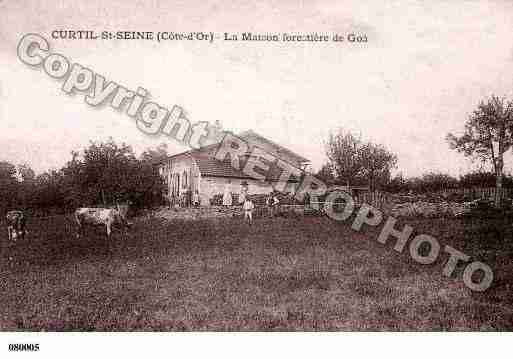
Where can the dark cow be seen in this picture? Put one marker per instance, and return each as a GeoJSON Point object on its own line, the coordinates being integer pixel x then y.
{"type": "Point", "coordinates": [101, 216]}
{"type": "Point", "coordinates": [16, 225]}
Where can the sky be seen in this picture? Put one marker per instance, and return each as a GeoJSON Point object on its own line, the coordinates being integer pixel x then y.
{"type": "Point", "coordinates": [425, 67]}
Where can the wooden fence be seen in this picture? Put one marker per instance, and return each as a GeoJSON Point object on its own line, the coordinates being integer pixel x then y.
{"type": "Point", "coordinates": [385, 200]}
{"type": "Point", "coordinates": [476, 192]}
{"type": "Point", "coordinates": [376, 199]}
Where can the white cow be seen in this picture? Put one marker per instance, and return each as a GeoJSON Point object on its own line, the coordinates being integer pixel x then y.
{"type": "Point", "coordinates": [101, 216]}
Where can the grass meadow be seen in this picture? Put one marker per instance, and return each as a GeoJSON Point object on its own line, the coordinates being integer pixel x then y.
{"type": "Point", "coordinates": [281, 274]}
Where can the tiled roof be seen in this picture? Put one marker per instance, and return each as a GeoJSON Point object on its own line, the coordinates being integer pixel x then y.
{"type": "Point", "coordinates": [247, 135]}
{"type": "Point", "coordinates": [209, 166]}
{"type": "Point", "coordinates": [279, 149]}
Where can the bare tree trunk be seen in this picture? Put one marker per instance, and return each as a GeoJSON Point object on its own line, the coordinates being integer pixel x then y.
{"type": "Point", "coordinates": [3, 250]}
{"type": "Point", "coordinates": [498, 182]}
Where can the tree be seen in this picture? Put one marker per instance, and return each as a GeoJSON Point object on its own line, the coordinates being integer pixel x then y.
{"type": "Point", "coordinates": [26, 186]}
{"type": "Point", "coordinates": [107, 172]}
{"type": "Point", "coordinates": [487, 136]}
{"type": "Point", "coordinates": [353, 161]}
{"type": "Point", "coordinates": [343, 152]}
{"type": "Point", "coordinates": [325, 174]}
{"type": "Point", "coordinates": [7, 173]}
{"type": "Point", "coordinates": [377, 164]}
{"type": "Point", "coordinates": [101, 174]}
{"type": "Point", "coordinates": [48, 193]}
{"type": "Point", "coordinates": [156, 155]}
{"type": "Point", "coordinates": [483, 179]}
{"type": "Point", "coordinates": [8, 186]}
{"type": "Point", "coordinates": [397, 184]}
{"type": "Point", "coordinates": [434, 181]}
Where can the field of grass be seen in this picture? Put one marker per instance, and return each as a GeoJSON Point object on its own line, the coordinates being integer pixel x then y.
{"type": "Point", "coordinates": [300, 273]}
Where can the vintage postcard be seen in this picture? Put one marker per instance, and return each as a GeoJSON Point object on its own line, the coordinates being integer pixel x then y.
{"type": "Point", "coordinates": [292, 166]}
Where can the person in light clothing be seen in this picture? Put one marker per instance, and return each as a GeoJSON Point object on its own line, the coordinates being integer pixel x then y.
{"type": "Point", "coordinates": [227, 196]}
{"type": "Point", "coordinates": [248, 207]}
{"type": "Point", "coordinates": [196, 199]}
{"type": "Point", "coordinates": [243, 192]}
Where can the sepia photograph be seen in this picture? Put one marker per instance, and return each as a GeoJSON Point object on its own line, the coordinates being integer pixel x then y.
{"type": "Point", "coordinates": [336, 167]}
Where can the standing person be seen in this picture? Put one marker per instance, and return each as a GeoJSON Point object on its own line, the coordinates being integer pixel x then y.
{"type": "Point", "coordinates": [227, 196]}
{"type": "Point", "coordinates": [248, 207]}
{"type": "Point", "coordinates": [196, 199]}
{"type": "Point", "coordinates": [269, 203]}
{"type": "Point", "coordinates": [272, 203]}
{"type": "Point", "coordinates": [307, 199]}
{"type": "Point", "coordinates": [276, 203]}
{"type": "Point", "coordinates": [243, 192]}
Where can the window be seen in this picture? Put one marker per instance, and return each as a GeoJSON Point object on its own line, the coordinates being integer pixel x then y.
{"type": "Point", "coordinates": [184, 179]}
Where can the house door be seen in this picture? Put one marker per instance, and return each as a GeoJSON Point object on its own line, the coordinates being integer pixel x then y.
{"type": "Point", "coordinates": [175, 189]}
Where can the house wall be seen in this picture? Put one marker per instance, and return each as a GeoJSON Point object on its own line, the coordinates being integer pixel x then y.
{"type": "Point", "coordinates": [210, 186]}
{"type": "Point", "coordinates": [180, 174]}
{"type": "Point", "coordinates": [173, 172]}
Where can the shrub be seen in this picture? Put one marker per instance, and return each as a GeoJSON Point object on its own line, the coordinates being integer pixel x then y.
{"type": "Point", "coordinates": [217, 199]}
